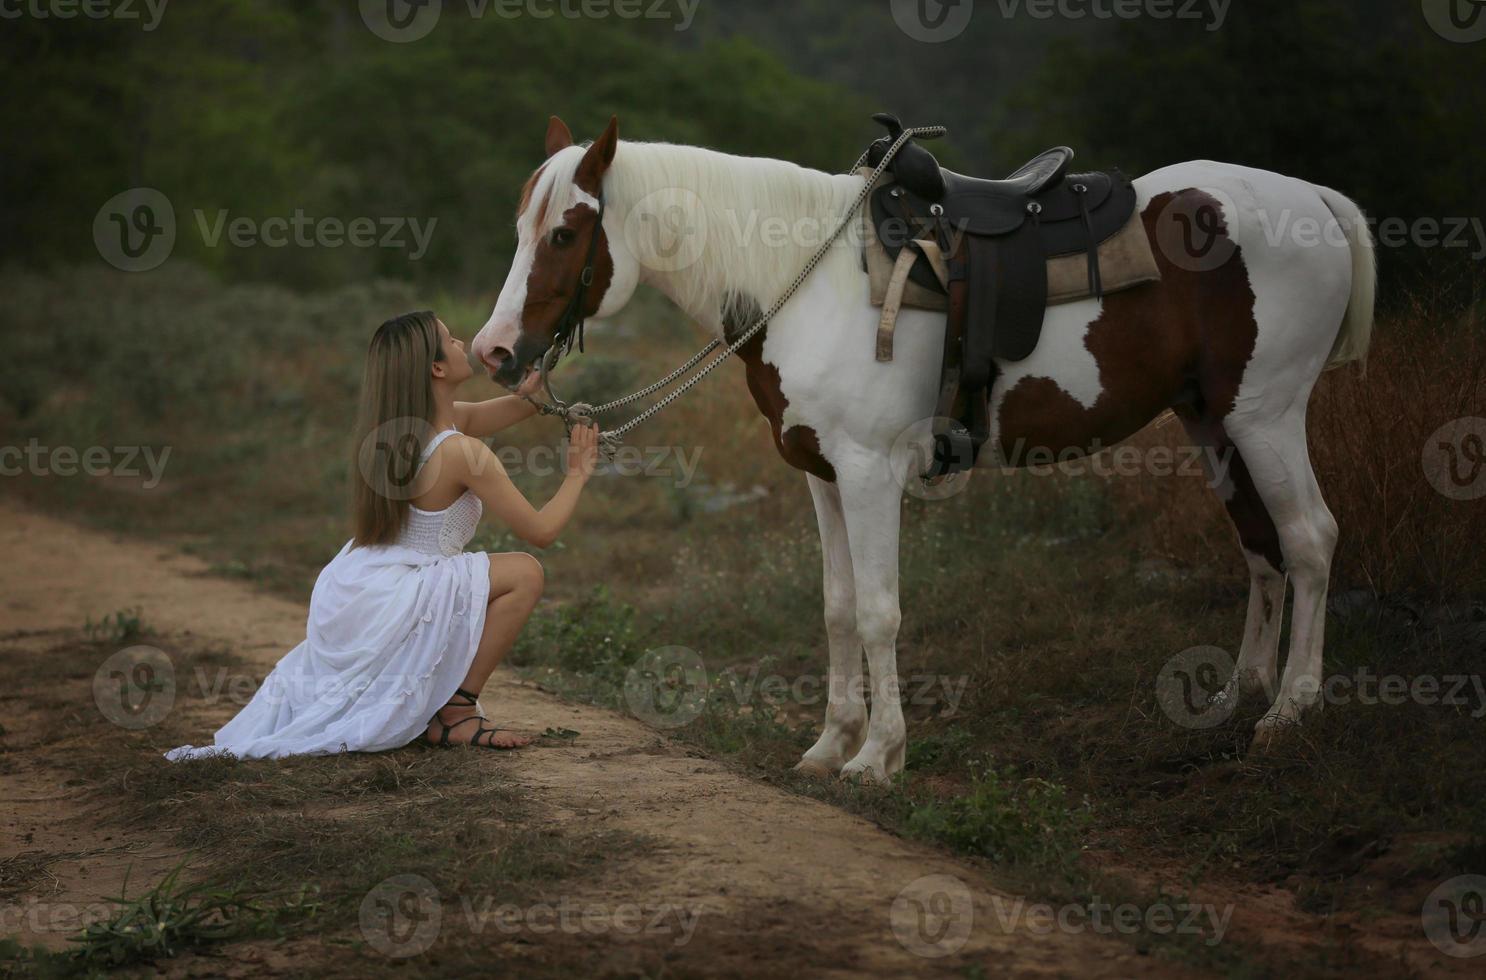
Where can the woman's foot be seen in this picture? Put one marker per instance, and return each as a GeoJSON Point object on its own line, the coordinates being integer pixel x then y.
{"type": "Point", "coordinates": [459, 723]}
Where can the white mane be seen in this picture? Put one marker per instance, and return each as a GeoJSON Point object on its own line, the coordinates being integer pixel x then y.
{"type": "Point", "coordinates": [748, 224]}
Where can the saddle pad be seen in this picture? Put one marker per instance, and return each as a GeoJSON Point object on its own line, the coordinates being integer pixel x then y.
{"type": "Point", "coordinates": [1125, 260]}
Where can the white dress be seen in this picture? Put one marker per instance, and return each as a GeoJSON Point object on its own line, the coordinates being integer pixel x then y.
{"type": "Point", "coordinates": [392, 631]}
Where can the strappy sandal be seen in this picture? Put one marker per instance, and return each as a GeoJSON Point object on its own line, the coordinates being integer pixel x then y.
{"type": "Point", "coordinates": [471, 701]}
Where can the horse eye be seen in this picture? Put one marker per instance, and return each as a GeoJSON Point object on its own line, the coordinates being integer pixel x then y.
{"type": "Point", "coordinates": [562, 236]}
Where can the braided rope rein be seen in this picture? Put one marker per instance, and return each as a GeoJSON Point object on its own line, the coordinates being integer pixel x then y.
{"type": "Point", "coordinates": [609, 441]}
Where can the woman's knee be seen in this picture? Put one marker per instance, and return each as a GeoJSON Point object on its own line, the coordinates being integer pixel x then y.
{"type": "Point", "coordinates": [516, 571]}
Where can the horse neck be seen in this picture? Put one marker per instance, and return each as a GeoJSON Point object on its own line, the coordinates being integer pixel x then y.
{"type": "Point", "coordinates": [759, 222]}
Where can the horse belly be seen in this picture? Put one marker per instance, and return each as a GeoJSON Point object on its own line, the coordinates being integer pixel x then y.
{"type": "Point", "coordinates": [1100, 372]}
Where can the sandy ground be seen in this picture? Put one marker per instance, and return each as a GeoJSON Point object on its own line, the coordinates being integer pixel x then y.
{"type": "Point", "coordinates": [780, 882]}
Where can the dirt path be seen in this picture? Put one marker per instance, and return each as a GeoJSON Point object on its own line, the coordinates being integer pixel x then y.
{"type": "Point", "coordinates": [782, 883]}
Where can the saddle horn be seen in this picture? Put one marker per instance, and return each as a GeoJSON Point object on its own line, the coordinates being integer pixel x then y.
{"type": "Point", "coordinates": [914, 167]}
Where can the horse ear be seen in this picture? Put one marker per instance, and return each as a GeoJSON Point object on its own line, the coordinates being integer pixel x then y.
{"type": "Point", "coordinates": [559, 137]}
{"type": "Point", "coordinates": [596, 161]}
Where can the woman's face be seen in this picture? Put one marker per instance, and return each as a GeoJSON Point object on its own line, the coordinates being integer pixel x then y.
{"type": "Point", "coordinates": [455, 367]}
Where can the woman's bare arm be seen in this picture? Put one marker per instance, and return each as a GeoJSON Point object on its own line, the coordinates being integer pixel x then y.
{"type": "Point", "coordinates": [484, 475]}
{"type": "Point", "coordinates": [481, 419]}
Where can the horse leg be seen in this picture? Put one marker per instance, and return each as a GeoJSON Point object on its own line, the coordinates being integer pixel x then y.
{"type": "Point", "coordinates": [1278, 461]}
{"type": "Point", "coordinates": [1229, 478]}
{"type": "Point", "coordinates": [872, 500]}
{"type": "Point", "coordinates": [846, 710]}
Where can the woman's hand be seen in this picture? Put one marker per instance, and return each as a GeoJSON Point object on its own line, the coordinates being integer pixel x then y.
{"type": "Point", "coordinates": [583, 450]}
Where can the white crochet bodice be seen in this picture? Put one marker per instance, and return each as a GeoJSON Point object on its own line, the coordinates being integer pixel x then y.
{"type": "Point", "coordinates": [441, 532]}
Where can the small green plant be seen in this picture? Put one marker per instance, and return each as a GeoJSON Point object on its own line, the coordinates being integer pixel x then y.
{"type": "Point", "coordinates": [1006, 818]}
{"type": "Point", "coordinates": [120, 626]}
{"type": "Point", "coordinates": [595, 635]}
{"type": "Point", "coordinates": [172, 917]}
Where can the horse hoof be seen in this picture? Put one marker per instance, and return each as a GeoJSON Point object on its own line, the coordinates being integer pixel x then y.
{"type": "Point", "coordinates": [863, 775]}
{"type": "Point", "coordinates": [1270, 734]}
{"type": "Point", "coordinates": [813, 769]}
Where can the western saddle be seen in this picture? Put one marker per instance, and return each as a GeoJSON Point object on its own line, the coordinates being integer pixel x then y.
{"type": "Point", "coordinates": [996, 237]}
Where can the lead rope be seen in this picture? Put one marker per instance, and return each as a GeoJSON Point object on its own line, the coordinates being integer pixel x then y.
{"type": "Point", "coordinates": [609, 441]}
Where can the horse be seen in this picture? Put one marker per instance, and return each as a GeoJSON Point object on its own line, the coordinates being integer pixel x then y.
{"type": "Point", "coordinates": [1231, 339]}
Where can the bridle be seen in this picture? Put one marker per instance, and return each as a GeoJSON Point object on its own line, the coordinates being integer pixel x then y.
{"type": "Point", "coordinates": [570, 326]}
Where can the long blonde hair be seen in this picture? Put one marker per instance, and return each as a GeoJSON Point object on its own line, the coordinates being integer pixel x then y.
{"type": "Point", "coordinates": [394, 424]}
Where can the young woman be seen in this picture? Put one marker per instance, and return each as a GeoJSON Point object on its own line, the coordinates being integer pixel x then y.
{"type": "Point", "coordinates": [405, 627]}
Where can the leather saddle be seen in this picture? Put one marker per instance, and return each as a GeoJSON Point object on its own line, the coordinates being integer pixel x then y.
{"type": "Point", "coordinates": [996, 237]}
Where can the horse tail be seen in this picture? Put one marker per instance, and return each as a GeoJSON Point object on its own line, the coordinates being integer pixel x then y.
{"type": "Point", "coordinates": [1355, 336]}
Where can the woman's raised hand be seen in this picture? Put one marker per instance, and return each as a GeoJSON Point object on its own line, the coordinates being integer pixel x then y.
{"type": "Point", "coordinates": [583, 449]}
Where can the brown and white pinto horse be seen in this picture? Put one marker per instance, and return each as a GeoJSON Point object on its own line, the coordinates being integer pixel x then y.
{"type": "Point", "coordinates": [1232, 339]}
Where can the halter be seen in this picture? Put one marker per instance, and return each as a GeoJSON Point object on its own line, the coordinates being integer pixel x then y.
{"type": "Point", "coordinates": [573, 318]}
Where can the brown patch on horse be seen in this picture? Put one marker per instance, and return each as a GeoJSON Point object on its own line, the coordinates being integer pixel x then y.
{"type": "Point", "coordinates": [556, 269]}
{"type": "Point", "coordinates": [799, 445]}
{"type": "Point", "coordinates": [1156, 345]}
{"type": "Point", "coordinates": [1251, 519]}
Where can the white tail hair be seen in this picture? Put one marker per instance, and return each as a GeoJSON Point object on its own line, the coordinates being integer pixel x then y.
{"type": "Point", "coordinates": [1355, 336]}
